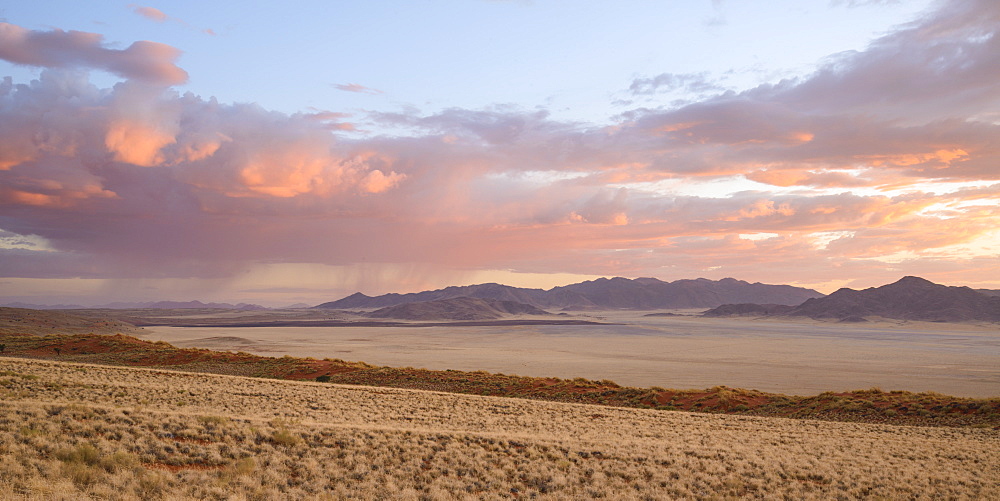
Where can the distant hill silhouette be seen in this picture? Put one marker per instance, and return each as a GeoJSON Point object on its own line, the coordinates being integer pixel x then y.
{"type": "Point", "coordinates": [910, 298]}
{"type": "Point", "coordinates": [29, 321]}
{"type": "Point", "coordinates": [748, 309]}
{"type": "Point", "coordinates": [181, 305]}
{"type": "Point", "coordinates": [483, 291]}
{"type": "Point", "coordinates": [604, 293]}
{"type": "Point", "coordinates": [459, 308]}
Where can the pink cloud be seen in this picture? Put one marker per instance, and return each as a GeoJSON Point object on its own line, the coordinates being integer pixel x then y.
{"type": "Point", "coordinates": [147, 61]}
{"type": "Point", "coordinates": [139, 178]}
{"type": "Point", "coordinates": [157, 15]}
{"type": "Point", "coordinates": [353, 87]}
{"type": "Point", "coordinates": [150, 13]}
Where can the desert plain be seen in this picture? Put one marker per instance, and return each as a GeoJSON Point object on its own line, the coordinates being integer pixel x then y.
{"type": "Point", "coordinates": [72, 431]}
{"type": "Point", "coordinates": [800, 356]}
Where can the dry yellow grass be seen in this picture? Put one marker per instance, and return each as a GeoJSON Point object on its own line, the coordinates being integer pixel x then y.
{"type": "Point", "coordinates": [73, 431]}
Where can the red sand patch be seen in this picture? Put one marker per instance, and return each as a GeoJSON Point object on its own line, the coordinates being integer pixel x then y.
{"type": "Point", "coordinates": [185, 440]}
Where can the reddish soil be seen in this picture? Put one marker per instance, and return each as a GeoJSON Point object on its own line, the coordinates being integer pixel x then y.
{"type": "Point", "coordinates": [872, 405]}
{"type": "Point", "coordinates": [185, 467]}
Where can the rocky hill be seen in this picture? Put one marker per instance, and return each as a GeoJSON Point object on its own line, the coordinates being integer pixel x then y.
{"type": "Point", "coordinates": [482, 291]}
{"type": "Point", "coordinates": [41, 322]}
{"type": "Point", "coordinates": [604, 293]}
{"type": "Point", "coordinates": [748, 310]}
{"type": "Point", "coordinates": [910, 298]}
{"type": "Point", "coordinates": [460, 308]}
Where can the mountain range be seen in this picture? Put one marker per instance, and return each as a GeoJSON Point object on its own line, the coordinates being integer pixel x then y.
{"type": "Point", "coordinates": [459, 308]}
{"type": "Point", "coordinates": [910, 298]}
{"type": "Point", "coordinates": [156, 305]}
{"type": "Point", "coordinates": [603, 293]}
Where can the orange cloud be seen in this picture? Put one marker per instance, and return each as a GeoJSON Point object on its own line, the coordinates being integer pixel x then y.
{"type": "Point", "coordinates": [137, 143]}
{"type": "Point", "coordinates": [58, 196]}
{"type": "Point", "coordinates": [762, 208]}
{"type": "Point", "coordinates": [284, 174]}
{"type": "Point", "coordinates": [198, 150]}
{"type": "Point", "coordinates": [778, 177]}
{"type": "Point", "coordinates": [377, 182]}
{"type": "Point", "coordinates": [36, 199]}
{"type": "Point", "coordinates": [942, 157]}
{"type": "Point", "coordinates": [11, 155]}
{"type": "Point", "coordinates": [674, 127]}
{"type": "Point", "coordinates": [802, 137]}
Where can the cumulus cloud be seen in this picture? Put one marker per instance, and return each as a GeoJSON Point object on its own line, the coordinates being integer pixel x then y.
{"type": "Point", "coordinates": [127, 167]}
{"type": "Point", "coordinates": [146, 61]}
{"type": "Point", "coordinates": [835, 167]}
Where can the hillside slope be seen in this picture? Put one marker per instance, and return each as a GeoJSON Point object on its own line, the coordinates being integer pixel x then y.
{"type": "Point", "coordinates": [460, 308]}
{"type": "Point", "coordinates": [910, 298]}
{"type": "Point", "coordinates": [28, 321]}
{"type": "Point", "coordinates": [78, 431]}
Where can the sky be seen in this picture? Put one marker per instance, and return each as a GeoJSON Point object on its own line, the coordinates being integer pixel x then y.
{"type": "Point", "coordinates": [297, 152]}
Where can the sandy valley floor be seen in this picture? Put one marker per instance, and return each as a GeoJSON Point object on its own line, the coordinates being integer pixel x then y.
{"type": "Point", "coordinates": [795, 357]}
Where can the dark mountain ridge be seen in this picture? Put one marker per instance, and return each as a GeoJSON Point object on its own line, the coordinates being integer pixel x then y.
{"type": "Point", "coordinates": [910, 298]}
{"type": "Point", "coordinates": [459, 308]}
{"type": "Point", "coordinates": [156, 305]}
{"type": "Point", "coordinates": [603, 293]}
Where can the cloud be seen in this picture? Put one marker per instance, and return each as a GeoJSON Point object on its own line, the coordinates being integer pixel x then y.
{"type": "Point", "coordinates": [157, 15]}
{"type": "Point", "coordinates": [145, 61]}
{"type": "Point", "coordinates": [852, 174]}
{"type": "Point", "coordinates": [150, 13]}
{"type": "Point", "coordinates": [109, 172]}
{"type": "Point", "coordinates": [917, 101]}
{"type": "Point", "coordinates": [353, 87]}
{"type": "Point", "coordinates": [862, 3]}
{"type": "Point", "coordinates": [668, 82]}
{"type": "Point", "coordinates": [944, 65]}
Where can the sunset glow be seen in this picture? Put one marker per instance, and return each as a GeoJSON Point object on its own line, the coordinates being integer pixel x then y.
{"type": "Point", "coordinates": [165, 152]}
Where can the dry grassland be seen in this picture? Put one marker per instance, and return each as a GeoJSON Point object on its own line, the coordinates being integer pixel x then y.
{"type": "Point", "coordinates": [74, 431]}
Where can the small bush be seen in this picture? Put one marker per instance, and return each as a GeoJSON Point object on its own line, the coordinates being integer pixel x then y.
{"type": "Point", "coordinates": [284, 437]}
{"type": "Point", "coordinates": [213, 420]}
{"type": "Point", "coordinates": [84, 453]}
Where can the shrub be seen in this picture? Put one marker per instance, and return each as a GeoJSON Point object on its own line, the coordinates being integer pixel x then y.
{"type": "Point", "coordinates": [213, 420]}
{"type": "Point", "coordinates": [84, 453]}
{"type": "Point", "coordinates": [325, 378]}
{"type": "Point", "coordinates": [284, 437]}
